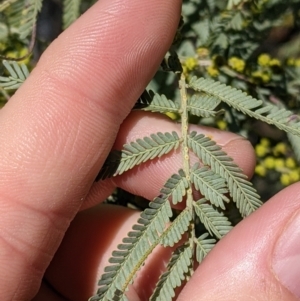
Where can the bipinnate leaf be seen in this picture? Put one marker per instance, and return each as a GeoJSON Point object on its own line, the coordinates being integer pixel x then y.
{"type": "Point", "coordinates": [71, 12]}
{"type": "Point", "coordinates": [212, 186]}
{"type": "Point", "coordinates": [177, 270]}
{"type": "Point", "coordinates": [241, 190]}
{"type": "Point", "coordinates": [204, 246]}
{"type": "Point", "coordinates": [5, 4]}
{"type": "Point", "coordinates": [179, 226]}
{"type": "Point", "coordinates": [17, 75]}
{"type": "Point", "coordinates": [130, 256]}
{"type": "Point", "coordinates": [29, 16]}
{"type": "Point", "coordinates": [280, 117]}
{"type": "Point", "coordinates": [203, 105]}
{"type": "Point", "coordinates": [138, 152]}
{"type": "Point", "coordinates": [176, 187]}
{"type": "Point", "coordinates": [295, 143]}
{"type": "Point", "coordinates": [202, 27]}
{"type": "Point", "coordinates": [214, 221]}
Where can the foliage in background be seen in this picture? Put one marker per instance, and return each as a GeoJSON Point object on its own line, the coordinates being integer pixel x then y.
{"type": "Point", "coordinates": [252, 46]}
{"type": "Point", "coordinates": [222, 49]}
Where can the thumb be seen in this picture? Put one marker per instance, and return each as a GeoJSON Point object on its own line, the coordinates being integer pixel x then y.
{"type": "Point", "coordinates": [258, 260]}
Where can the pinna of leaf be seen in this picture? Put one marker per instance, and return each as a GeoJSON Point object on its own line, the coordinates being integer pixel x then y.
{"type": "Point", "coordinates": [217, 178]}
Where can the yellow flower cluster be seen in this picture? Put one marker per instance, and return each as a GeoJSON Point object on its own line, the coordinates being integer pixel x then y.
{"type": "Point", "coordinates": [236, 64]}
{"type": "Point", "coordinates": [190, 64]}
{"type": "Point", "coordinates": [276, 159]}
{"type": "Point", "coordinates": [293, 62]}
{"type": "Point", "coordinates": [264, 60]}
{"type": "Point", "coordinates": [290, 177]}
{"type": "Point", "coordinates": [212, 71]}
{"type": "Point", "coordinates": [266, 66]}
{"type": "Point", "coordinates": [222, 124]}
{"type": "Point", "coordinates": [202, 52]}
{"type": "Point", "coordinates": [275, 63]}
{"type": "Point", "coordinates": [16, 54]}
{"type": "Point", "coordinates": [265, 77]}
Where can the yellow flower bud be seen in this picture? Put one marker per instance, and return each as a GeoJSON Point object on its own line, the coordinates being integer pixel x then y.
{"type": "Point", "coordinates": [172, 115]}
{"type": "Point", "coordinates": [260, 170]}
{"type": "Point", "coordinates": [285, 179]}
{"type": "Point", "coordinates": [294, 175]}
{"type": "Point", "coordinates": [269, 162]}
{"type": "Point", "coordinates": [212, 71]}
{"type": "Point", "coordinates": [290, 162]}
{"type": "Point", "coordinates": [264, 59]}
{"type": "Point", "coordinates": [261, 150]}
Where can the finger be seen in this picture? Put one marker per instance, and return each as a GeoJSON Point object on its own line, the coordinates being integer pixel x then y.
{"type": "Point", "coordinates": [258, 260]}
{"type": "Point", "coordinates": [147, 179]}
{"type": "Point", "coordinates": [83, 254]}
{"type": "Point", "coordinates": [58, 128]}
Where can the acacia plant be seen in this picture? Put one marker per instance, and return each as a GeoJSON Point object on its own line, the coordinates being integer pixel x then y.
{"type": "Point", "coordinates": [214, 60]}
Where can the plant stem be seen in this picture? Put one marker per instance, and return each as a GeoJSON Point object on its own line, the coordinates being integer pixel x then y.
{"type": "Point", "coordinates": [186, 161]}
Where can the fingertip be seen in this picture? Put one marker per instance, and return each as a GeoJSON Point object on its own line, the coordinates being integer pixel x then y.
{"type": "Point", "coordinates": [148, 178]}
{"type": "Point", "coordinates": [240, 265]}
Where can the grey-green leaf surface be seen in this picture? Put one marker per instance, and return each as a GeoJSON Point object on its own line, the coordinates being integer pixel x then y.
{"type": "Point", "coordinates": [203, 246]}
{"type": "Point", "coordinates": [212, 186]}
{"type": "Point", "coordinates": [71, 12]}
{"type": "Point", "coordinates": [176, 272]}
{"type": "Point", "coordinates": [138, 152]}
{"type": "Point", "coordinates": [179, 226]}
{"type": "Point", "coordinates": [240, 189]}
{"type": "Point", "coordinates": [281, 118]}
{"type": "Point", "coordinates": [203, 105]}
{"type": "Point", "coordinates": [131, 254]}
{"type": "Point", "coordinates": [295, 143]}
{"type": "Point", "coordinates": [5, 4]}
{"type": "Point", "coordinates": [17, 75]}
{"type": "Point", "coordinates": [176, 186]}
{"type": "Point", "coordinates": [29, 17]}
{"type": "Point", "coordinates": [214, 221]}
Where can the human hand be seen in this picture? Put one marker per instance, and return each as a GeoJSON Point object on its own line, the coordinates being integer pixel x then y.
{"type": "Point", "coordinates": [56, 133]}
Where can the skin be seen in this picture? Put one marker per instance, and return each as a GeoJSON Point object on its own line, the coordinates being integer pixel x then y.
{"type": "Point", "coordinates": [56, 133]}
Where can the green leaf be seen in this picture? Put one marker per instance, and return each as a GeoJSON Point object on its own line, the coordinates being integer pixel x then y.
{"type": "Point", "coordinates": [204, 246]}
{"type": "Point", "coordinates": [203, 105]}
{"type": "Point", "coordinates": [131, 254]}
{"type": "Point", "coordinates": [17, 75]}
{"type": "Point", "coordinates": [240, 189]}
{"type": "Point", "coordinates": [215, 222]}
{"type": "Point", "coordinates": [176, 272]}
{"type": "Point", "coordinates": [29, 16]}
{"type": "Point", "coordinates": [280, 117]}
{"type": "Point", "coordinates": [176, 187]}
{"type": "Point", "coordinates": [5, 4]}
{"type": "Point", "coordinates": [71, 12]}
{"type": "Point", "coordinates": [237, 21]}
{"type": "Point", "coordinates": [232, 3]}
{"type": "Point", "coordinates": [202, 28]}
{"type": "Point", "coordinates": [211, 185]}
{"type": "Point", "coordinates": [138, 152]}
{"type": "Point", "coordinates": [179, 226]}
{"type": "Point", "coordinates": [295, 143]}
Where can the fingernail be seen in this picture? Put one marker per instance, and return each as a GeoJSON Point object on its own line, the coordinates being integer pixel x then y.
{"type": "Point", "coordinates": [286, 256]}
